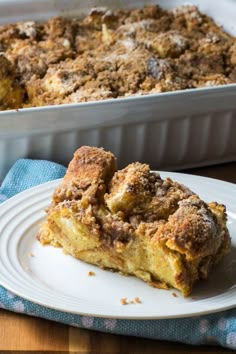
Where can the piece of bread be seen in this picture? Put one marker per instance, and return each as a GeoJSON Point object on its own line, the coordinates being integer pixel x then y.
{"type": "Point", "coordinates": [134, 222]}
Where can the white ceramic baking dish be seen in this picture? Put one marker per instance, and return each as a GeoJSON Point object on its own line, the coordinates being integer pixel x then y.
{"type": "Point", "coordinates": [169, 131]}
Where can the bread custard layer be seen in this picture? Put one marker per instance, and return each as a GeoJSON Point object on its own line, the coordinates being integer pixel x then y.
{"type": "Point", "coordinates": [134, 222]}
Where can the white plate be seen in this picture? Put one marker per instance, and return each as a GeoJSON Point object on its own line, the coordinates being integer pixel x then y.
{"type": "Point", "coordinates": [46, 276]}
{"type": "Point", "coordinates": [201, 122]}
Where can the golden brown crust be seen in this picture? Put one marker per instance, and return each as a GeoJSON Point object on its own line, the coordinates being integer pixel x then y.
{"type": "Point", "coordinates": [34, 47]}
{"type": "Point", "coordinates": [111, 54]}
{"type": "Point", "coordinates": [134, 222]}
{"type": "Point", "coordinates": [87, 175]}
{"type": "Point", "coordinates": [143, 195]}
{"type": "Point", "coordinates": [192, 230]}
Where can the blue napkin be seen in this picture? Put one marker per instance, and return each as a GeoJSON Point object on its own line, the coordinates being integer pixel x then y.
{"type": "Point", "coordinates": [218, 328]}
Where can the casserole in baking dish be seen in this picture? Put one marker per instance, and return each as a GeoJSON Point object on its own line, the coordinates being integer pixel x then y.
{"type": "Point", "coordinates": [112, 53]}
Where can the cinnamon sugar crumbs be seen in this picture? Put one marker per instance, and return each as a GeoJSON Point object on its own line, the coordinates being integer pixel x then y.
{"type": "Point", "coordinates": [31, 254]}
{"type": "Point", "coordinates": [174, 294]}
{"type": "Point", "coordinates": [123, 301]}
{"type": "Point", "coordinates": [137, 300]}
{"type": "Point", "coordinates": [91, 274]}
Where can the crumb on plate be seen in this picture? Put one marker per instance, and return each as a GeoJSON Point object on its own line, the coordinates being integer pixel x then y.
{"type": "Point", "coordinates": [123, 301]}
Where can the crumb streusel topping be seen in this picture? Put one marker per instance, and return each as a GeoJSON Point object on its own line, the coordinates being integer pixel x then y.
{"type": "Point", "coordinates": [111, 54]}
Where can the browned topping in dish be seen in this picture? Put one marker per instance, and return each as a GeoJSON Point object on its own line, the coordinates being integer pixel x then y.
{"type": "Point", "coordinates": [111, 54]}
{"type": "Point", "coordinates": [134, 222]}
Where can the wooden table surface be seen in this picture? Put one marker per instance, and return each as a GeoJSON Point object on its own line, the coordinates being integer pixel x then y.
{"type": "Point", "coordinates": [23, 333]}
